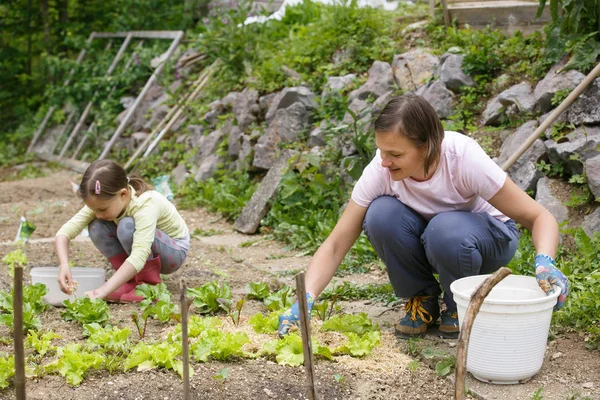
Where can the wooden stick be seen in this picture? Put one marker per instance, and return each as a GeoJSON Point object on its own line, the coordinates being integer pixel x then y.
{"type": "Point", "coordinates": [550, 119]}
{"type": "Point", "coordinates": [465, 330]}
{"type": "Point", "coordinates": [306, 341]}
{"type": "Point", "coordinates": [446, 13]}
{"type": "Point", "coordinates": [162, 122]}
{"type": "Point", "coordinates": [18, 331]}
{"type": "Point", "coordinates": [177, 115]}
{"type": "Point", "coordinates": [184, 341]}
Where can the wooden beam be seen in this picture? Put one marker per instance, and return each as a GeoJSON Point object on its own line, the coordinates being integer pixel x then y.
{"type": "Point", "coordinates": [306, 340]}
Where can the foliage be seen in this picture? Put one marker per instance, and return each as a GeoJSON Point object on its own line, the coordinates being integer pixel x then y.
{"type": "Point", "coordinates": [325, 310]}
{"type": "Point", "coordinates": [443, 362]}
{"type": "Point", "coordinates": [147, 356]}
{"type": "Point", "coordinates": [226, 194]}
{"type": "Point", "coordinates": [359, 345]}
{"type": "Point", "coordinates": [279, 300]}
{"type": "Point", "coordinates": [258, 290]}
{"type": "Point", "coordinates": [353, 291]}
{"type": "Point", "coordinates": [289, 351]}
{"type": "Point", "coordinates": [33, 305]}
{"type": "Point", "coordinates": [355, 323]}
{"type": "Point", "coordinates": [575, 29]}
{"type": "Point", "coordinates": [7, 369]}
{"type": "Point", "coordinates": [157, 302]}
{"type": "Point", "coordinates": [85, 310]}
{"type": "Point", "coordinates": [196, 326]}
{"type": "Point", "coordinates": [15, 258]}
{"type": "Point", "coordinates": [73, 363]}
{"type": "Point", "coordinates": [218, 345]}
{"type": "Point", "coordinates": [206, 297]}
{"type": "Point", "coordinates": [234, 312]}
{"type": "Point", "coordinates": [266, 325]}
{"type": "Point", "coordinates": [108, 338]}
{"type": "Point", "coordinates": [42, 344]}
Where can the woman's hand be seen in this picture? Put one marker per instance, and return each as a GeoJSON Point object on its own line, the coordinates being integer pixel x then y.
{"type": "Point", "coordinates": [550, 278]}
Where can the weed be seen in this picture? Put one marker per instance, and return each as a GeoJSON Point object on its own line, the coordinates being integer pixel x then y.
{"type": "Point", "coordinates": [341, 380]}
{"type": "Point", "coordinates": [537, 395]}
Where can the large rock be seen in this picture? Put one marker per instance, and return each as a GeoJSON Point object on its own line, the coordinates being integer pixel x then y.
{"type": "Point", "coordinates": [289, 96]}
{"type": "Point", "coordinates": [523, 172]}
{"type": "Point", "coordinates": [257, 207]}
{"type": "Point", "coordinates": [592, 170]}
{"type": "Point", "coordinates": [552, 83]}
{"type": "Point", "coordinates": [439, 97]}
{"type": "Point", "coordinates": [591, 223]}
{"type": "Point", "coordinates": [234, 144]}
{"type": "Point", "coordinates": [380, 81]}
{"type": "Point", "coordinates": [545, 197]}
{"type": "Point", "coordinates": [586, 109]}
{"type": "Point", "coordinates": [451, 72]}
{"type": "Point", "coordinates": [336, 84]}
{"type": "Point", "coordinates": [246, 108]}
{"type": "Point", "coordinates": [575, 148]}
{"type": "Point", "coordinates": [520, 95]}
{"type": "Point", "coordinates": [414, 69]}
{"type": "Point", "coordinates": [207, 145]}
{"type": "Point", "coordinates": [285, 127]}
{"type": "Point", "coordinates": [208, 167]}
{"type": "Point", "coordinates": [493, 113]}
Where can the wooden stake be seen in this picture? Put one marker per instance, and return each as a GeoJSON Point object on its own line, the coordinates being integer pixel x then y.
{"type": "Point", "coordinates": [446, 13]}
{"type": "Point", "coordinates": [306, 341]}
{"type": "Point", "coordinates": [465, 330]}
{"type": "Point", "coordinates": [18, 331]}
{"type": "Point", "coordinates": [550, 119]}
{"type": "Point", "coordinates": [184, 341]}
{"type": "Point", "coordinates": [165, 120]}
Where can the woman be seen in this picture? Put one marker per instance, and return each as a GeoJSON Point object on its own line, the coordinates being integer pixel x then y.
{"type": "Point", "coordinates": [433, 202]}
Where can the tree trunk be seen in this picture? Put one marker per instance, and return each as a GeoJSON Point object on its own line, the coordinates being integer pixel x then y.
{"type": "Point", "coordinates": [46, 23]}
{"type": "Point", "coordinates": [63, 6]}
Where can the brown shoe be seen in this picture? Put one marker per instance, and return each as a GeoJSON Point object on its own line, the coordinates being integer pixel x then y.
{"type": "Point", "coordinates": [449, 326]}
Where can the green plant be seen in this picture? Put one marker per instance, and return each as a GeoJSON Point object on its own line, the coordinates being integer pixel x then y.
{"type": "Point", "coordinates": [108, 338]}
{"type": "Point", "coordinates": [443, 362]}
{"type": "Point", "coordinates": [359, 345]}
{"type": "Point", "coordinates": [258, 290]}
{"type": "Point", "coordinates": [42, 343]}
{"type": "Point", "coordinates": [74, 362]}
{"type": "Point", "coordinates": [341, 380]}
{"type": "Point", "coordinates": [146, 356]}
{"type": "Point", "coordinates": [549, 169]}
{"type": "Point", "coordinates": [218, 345]}
{"type": "Point", "coordinates": [280, 299]}
{"type": "Point", "coordinates": [33, 305]}
{"type": "Point", "coordinates": [85, 310]}
{"type": "Point", "coordinates": [352, 291]}
{"type": "Point", "coordinates": [266, 325]}
{"type": "Point", "coordinates": [324, 310]}
{"type": "Point", "coordinates": [537, 395]}
{"type": "Point", "coordinates": [289, 351]}
{"type": "Point", "coordinates": [575, 28]}
{"type": "Point", "coordinates": [7, 369]}
{"type": "Point", "coordinates": [356, 323]}
{"type": "Point", "coordinates": [233, 312]}
{"type": "Point", "coordinates": [206, 298]}
{"type": "Point", "coordinates": [559, 96]}
{"type": "Point", "coordinates": [15, 258]}
{"type": "Point", "coordinates": [198, 232]}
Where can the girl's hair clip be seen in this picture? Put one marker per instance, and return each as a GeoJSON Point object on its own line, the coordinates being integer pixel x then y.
{"type": "Point", "coordinates": [97, 186]}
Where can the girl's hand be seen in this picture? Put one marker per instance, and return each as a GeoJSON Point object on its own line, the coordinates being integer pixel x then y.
{"type": "Point", "coordinates": [96, 294]}
{"type": "Point", "coordinates": [551, 278]}
{"type": "Point", "coordinates": [65, 280]}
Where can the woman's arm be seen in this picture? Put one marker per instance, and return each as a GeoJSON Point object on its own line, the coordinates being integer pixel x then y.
{"type": "Point", "coordinates": [513, 202]}
{"type": "Point", "coordinates": [328, 257]}
{"type": "Point", "coordinates": [65, 280]}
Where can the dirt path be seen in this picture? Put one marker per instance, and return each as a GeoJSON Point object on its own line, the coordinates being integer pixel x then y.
{"type": "Point", "coordinates": [388, 373]}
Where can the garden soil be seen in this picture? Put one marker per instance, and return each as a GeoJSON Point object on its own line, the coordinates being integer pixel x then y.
{"type": "Point", "coordinates": [570, 371]}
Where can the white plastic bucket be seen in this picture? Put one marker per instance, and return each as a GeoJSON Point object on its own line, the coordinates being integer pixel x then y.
{"type": "Point", "coordinates": [509, 334]}
{"type": "Point", "coordinates": [87, 279]}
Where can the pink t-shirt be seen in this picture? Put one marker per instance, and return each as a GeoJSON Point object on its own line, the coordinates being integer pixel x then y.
{"type": "Point", "coordinates": [464, 180]}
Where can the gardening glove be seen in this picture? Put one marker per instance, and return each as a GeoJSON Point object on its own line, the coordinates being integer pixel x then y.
{"type": "Point", "coordinates": [292, 316]}
{"type": "Point", "coordinates": [550, 278]}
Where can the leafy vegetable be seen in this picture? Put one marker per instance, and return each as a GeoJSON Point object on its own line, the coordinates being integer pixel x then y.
{"type": "Point", "coordinates": [280, 299]}
{"type": "Point", "coordinates": [7, 369]}
{"type": "Point", "coordinates": [258, 290]}
{"type": "Point", "coordinates": [196, 326]}
{"type": "Point", "coordinates": [109, 338]}
{"type": "Point", "coordinates": [289, 350]}
{"type": "Point", "coordinates": [356, 323]}
{"type": "Point", "coordinates": [33, 304]}
{"type": "Point", "coordinates": [73, 363]}
{"type": "Point", "coordinates": [266, 325]}
{"type": "Point", "coordinates": [41, 344]}
{"type": "Point", "coordinates": [205, 297]}
{"type": "Point", "coordinates": [85, 310]}
{"type": "Point", "coordinates": [219, 345]}
{"type": "Point", "coordinates": [146, 356]}
{"type": "Point", "coordinates": [234, 313]}
{"type": "Point", "coordinates": [360, 346]}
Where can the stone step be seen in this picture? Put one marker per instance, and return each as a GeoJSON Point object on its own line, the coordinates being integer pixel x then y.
{"type": "Point", "coordinates": [497, 13]}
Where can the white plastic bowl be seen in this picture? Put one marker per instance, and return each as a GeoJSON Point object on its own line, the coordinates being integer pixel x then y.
{"type": "Point", "coordinates": [88, 279]}
{"type": "Point", "coordinates": [509, 334]}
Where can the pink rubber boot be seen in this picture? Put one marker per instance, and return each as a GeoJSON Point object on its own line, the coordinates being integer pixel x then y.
{"type": "Point", "coordinates": [150, 274]}
{"type": "Point", "coordinates": [116, 263]}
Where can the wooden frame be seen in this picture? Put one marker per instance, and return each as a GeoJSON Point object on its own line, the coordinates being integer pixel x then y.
{"type": "Point", "coordinates": [175, 36]}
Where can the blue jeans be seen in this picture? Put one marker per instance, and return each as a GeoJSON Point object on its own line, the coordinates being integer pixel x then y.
{"type": "Point", "coordinates": [453, 244]}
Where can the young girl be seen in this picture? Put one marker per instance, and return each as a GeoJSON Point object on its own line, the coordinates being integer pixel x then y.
{"type": "Point", "coordinates": [433, 202]}
{"type": "Point", "coordinates": [136, 228]}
